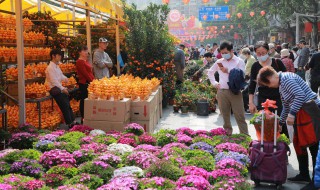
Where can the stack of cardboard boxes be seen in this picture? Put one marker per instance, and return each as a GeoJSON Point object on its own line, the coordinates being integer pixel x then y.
{"type": "Point", "coordinates": [107, 115]}
{"type": "Point", "coordinates": [114, 115]}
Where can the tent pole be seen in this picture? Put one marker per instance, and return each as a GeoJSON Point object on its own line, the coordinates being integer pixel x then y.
{"type": "Point", "coordinates": [117, 45]}
{"type": "Point", "coordinates": [74, 18]}
{"type": "Point", "coordinates": [39, 5]}
{"type": "Point", "coordinates": [88, 32]}
{"type": "Point", "coordinates": [20, 57]}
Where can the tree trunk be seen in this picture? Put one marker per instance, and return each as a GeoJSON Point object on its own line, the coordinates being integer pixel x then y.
{"type": "Point", "coordinates": [314, 34]}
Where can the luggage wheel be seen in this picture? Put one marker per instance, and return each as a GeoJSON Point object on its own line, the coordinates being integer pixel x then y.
{"type": "Point", "coordinates": [278, 186]}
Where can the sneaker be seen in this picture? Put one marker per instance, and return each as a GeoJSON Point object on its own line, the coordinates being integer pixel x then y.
{"type": "Point", "coordinates": [310, 186]}
{"type": "Point", "coordinates": [300, 178]}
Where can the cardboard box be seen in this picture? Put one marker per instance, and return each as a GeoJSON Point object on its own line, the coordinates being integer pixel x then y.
{"type": "Point", "coordinates": [156, 117]}
{"type": "Point", "coordinates": [105, 110]}
{"type": "Point", "coordinates": [106, 125]}
{"type": "Point", "coordinates": [160, 94]}
{"type": "Point", "coordinates": [143, 110]}
{"type": "Point", "coordinates": [156, 96]}
{"type": "Point", "coordinates": [147, 125]}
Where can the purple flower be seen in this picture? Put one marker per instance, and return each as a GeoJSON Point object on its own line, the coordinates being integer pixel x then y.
{"type": "Point", "coordinates": [33, 185]}
{"type": "Point", "coordinates": [96, 147]}
{"type": "Point", "coordinates": [202, 146]}
{"type": "Point", "coordinates": [20, 137]}
{"type": "Point", "coordinates": [57, 157]}
{"type": "Point", "coordinates": [134, 128]}
{"type": "Point", "coordinates": [102, 164]}
{"type": "Point", "coordinates": [148, 148]}
{"type": "Point", "coordinates": [226, 147]}
{"type": "Point", "coordinates": [241, 158]}
{"type": "Point", "coordinates": [59, 132]}
{"type": "Point", "coordinates": [48, 137]}
{"type": "Point", "coordinates": [194, 181]}
{"type": "Point", "coordinates": [87, 140]}
{"type": "Point", "coordinates": [82, 128]}
{"type": "Point", "coordinates": [193, 170]}
{"type": "Point", "coordinates": [147, 139]}
{"type": "Point", "coordinates": [142, 159]}
{"type": "Point", "coordinates": [218, 131]}
{"type": "Point", "coordinates": [121, 183]}
{"type": "Point", "coordinates": [182, 138]}
{"type": "Point", "coordinates": [128, 141]}
{"type": "Point", "coordinates": [186, 131]}
{"type": "Point", "coordinates": [110, 159]}
{"type": "Point", "coordinates": [6, 187]}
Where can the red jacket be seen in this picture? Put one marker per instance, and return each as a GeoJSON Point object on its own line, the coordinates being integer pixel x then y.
{"type": "Point", "coordinates": [84, 71]}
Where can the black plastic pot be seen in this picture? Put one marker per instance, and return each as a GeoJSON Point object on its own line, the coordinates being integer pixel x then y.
{"type": "Point", "coordinates": [203, 108]}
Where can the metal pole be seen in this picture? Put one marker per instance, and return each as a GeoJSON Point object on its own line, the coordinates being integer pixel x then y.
{"type": "Point", "coordinates": [297, 28]}
{"type": "Point", "coordinates": [88, 32]}
{"type": "Point", "coordinates": [20, 57]}
{"type": "Point", "coordinates": [39, 5]}
{"type": "Point", "coordinates": [74, 18]}
{"type": "Point", "coordinates": [117, 45]}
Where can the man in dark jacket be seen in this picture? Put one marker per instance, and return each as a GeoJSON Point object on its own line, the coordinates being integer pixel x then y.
{"type": "Point", "coordinates": [314, 65]}
{"type": "Point", "coordinates": [179, 62]}
{"type": "Point", "coordinates": [303, 58]}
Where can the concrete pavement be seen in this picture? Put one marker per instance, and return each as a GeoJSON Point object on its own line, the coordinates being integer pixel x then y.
{"type": "Point", "coordinates": [172, 120]}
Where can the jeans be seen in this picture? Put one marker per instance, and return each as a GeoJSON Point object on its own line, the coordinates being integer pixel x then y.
{"type": "Point", "coordinates": [64, 104]}
{"type": "Point", "coordinates": [84, 94]}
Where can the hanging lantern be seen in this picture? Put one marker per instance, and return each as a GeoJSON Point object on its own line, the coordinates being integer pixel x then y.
{"type": "Point", "coordinates": [205, 1]}
{"type": "Point", "coordinates": [231, 26]}
{"type": "Point", "coordinates": [251, 13]}
{"type": "Point", "coordinates": [228, 16]}
{"type": "Point", "coordinates": [207, 28]}
{"type": "Point", "coordinates": [226, 1]}
{"type": "Point", "coordinates": [216, 16]}
{"type": "Point", "coordinates": [203, 33]}
{"type": "Point", "coordinates": [204, 17]}
{"type": "Point", "coordinates": [263, 13]}
{"type": "Point", "coordinates": [186, 1]}
{"type": "Point", "coordinates": [223, 27]}
{"type": "Point", "coordinates": [239, 25]}
{"type": "Point", "coordinates": [216, 27]}
{"type": "Point", "coordinates": [239, 15]}
{"type": "Point", "coordinates": [165, 1]}
{"type": "Point", "coordinates": [228, 31]}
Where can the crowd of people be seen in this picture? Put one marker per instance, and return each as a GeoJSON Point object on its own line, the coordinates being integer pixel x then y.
{"type": "Point", "coordinates": [288, 75]}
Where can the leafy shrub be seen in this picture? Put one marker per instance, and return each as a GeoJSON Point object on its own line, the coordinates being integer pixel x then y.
{"type": "Point", "coordinates": [188, 154]}
{"type": "Point", "coordinates": [166, 169]}
{"type": "Point", "coordinates": [15, 180]}
{"type": "Point", "coordinates": [103, 139]}
{"type": "Point", "coordinates": [83, 156]}
{"type": "Point", "coordinates": [28, 154]}
{"type": "Point", "coordinates": [22, 140]}
{"type": "Point", "coordinates": [134, 128]}
{"type": "Point", "coordinates": [72, 137]}
{"type": "Point", "coordinates": [91, 181]}
{"type": "Point", "coordinates": [66, 170]}
{"type": "Point", "coordinates": [206, 163]}
{"type": "Point", "coordinates": [27, 167]}
{"type": "Point", "coordinates": [203, 139]}
{"type": "Point", "coordinates": [156, 183]}
{"type": "Point", "coordinates": [105, 171]}
{"type": "Point", "coordinates": [69, 147]}
{"type": "Point", "coordinates": [4, 168]}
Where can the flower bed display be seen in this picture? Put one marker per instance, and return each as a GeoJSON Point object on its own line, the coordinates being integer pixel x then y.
{"type": "Point", "coordinates": [82, 158]}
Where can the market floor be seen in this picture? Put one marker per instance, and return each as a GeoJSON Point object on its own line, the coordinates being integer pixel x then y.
{"type": "Point", "coordinates": [172, 120]}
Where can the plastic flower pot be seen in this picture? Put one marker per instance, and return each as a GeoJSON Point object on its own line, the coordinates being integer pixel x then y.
{"type": "Point", "coordinates": [176, 108]}
{"type": "Point", "coordinates": [184, 109]}
{"type": "Point", "coordinates": [203, 107]}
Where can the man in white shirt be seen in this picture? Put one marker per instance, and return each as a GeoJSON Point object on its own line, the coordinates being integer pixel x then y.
{"type": "Point", "coordinates": [226, 99]}
{"type": "Point", "coordinates": [54, 78]}
{"type": "Point", "coordinates": [101, 60]}
{"type": "Point", "coordinates": [202, 51]}
{"type": "Point", "coordinates": [215, 49]}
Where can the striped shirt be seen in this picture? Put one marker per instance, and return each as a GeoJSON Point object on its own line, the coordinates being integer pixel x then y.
{"type": "Point", "coordinates": [294, 92]}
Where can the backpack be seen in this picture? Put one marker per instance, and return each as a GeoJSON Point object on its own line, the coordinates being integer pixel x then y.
{"type": "Point", "coordinates": [236, 80]}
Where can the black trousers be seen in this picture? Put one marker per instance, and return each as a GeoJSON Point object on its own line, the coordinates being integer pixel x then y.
{"type": "Point", "coordinates": [83, 95]}
{"type": "Point", "coordinates": [315, 86]}
{"type": "Point", "coordinates": [279, 105]}
{"type": "Point", "coordinates": [64, 104]}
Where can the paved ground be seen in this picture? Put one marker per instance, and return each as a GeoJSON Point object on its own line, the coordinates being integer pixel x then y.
{"type": "Point", "coordinates": [172, 120]}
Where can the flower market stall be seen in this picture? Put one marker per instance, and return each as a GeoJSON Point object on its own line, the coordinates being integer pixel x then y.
{"type": "Point", "coordinates": [84, 158]}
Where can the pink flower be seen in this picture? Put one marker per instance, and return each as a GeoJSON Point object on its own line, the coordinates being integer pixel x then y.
{"type": "Point", "coordinates": [142, 159]}
{"type": "Point", "coordinates": [193, 170]}
{"type": "Point", "coordinates": [229, 173]}
{"type": "Point", "coordinates": [147, 139]}
{"type": "Point", "coordinates": [33, 185]}
{"type": "Point", "coordinates": [194, 181]}
{"type": "Point", "coordinates": [59, 132]}
{"type": "Point", "coordinates": [128, 141]}
{"type": "Point", "coordinates": [233, 147]}
{"type": "Point", "coordinates": [182, 138]}
{"type": "Point", "coordinates": [96, 147]}
{"type": "Point", "coordinates": [218, 131]}
{"type": "Point", "coordinates": [186, 131]}
{"type": "Point", "coordinates": [82, 128]}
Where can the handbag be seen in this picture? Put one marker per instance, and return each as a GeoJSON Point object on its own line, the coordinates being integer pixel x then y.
{"type": "Point", "coordinates": [55, 91]}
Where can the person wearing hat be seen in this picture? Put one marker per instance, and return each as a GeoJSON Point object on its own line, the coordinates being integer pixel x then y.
{"type": "Point", "coordinates": [54, 78]}
{"type": "Point", "coordinates": [303, 58]}
{"type": "Point", "coordinates": [272, 51]}
{"type": "Point", "coordinates": [101, 60]}
{"type": "Point", "coordinates": [285, 54]}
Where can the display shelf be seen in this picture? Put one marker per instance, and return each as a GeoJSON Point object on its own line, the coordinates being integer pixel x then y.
{"type": "Point", "coordinates": [25, 45]}
{"type": "Point", "coordinates": [38, 79]}
{"type": "Point", "coordinates": [26, 62]}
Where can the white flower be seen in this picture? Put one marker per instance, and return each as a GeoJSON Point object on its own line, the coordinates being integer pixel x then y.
{"type": "Point", "coordinates": [129, 170]}
{"type": "Point", "coordinates": [97, 132]}
{"type": "Point", "coordinates": [120, 148]}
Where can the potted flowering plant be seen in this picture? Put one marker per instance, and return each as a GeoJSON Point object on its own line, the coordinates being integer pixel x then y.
{"type": "Point", "coordinates": [185, 103]}
{"type": "Point", "coordinates": [27, 167]}
{"type": "Point", "coordinates": [91, 181]}
{"type": "Point", "coordinates": [156, 183]}
{"type": "Point", "coordinates": [142, 159]}
{"type": "Point", "coordinates": [134, 128]}
{"type": "Point", "coordinates": [105, 171]}
{"type": "Point", "coordinates": [22, 140]}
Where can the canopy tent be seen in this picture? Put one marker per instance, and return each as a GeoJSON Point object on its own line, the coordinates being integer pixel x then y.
{"type": "Point", "coordinates": [63, 11]}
